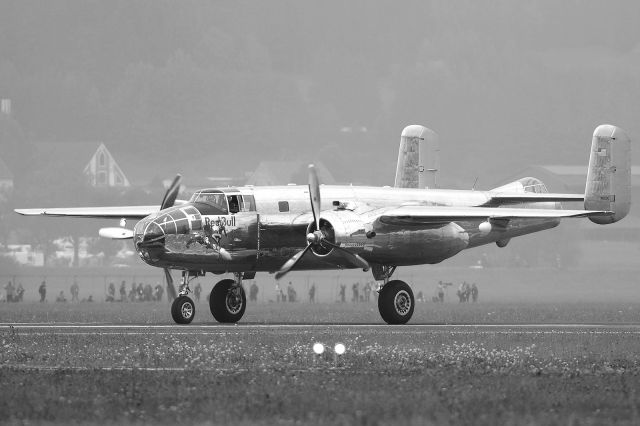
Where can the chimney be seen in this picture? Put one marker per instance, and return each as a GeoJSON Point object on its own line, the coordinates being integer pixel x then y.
{"type": "Point", "coordinates": [5, 106]}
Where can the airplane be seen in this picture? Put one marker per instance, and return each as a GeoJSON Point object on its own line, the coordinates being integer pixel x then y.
{"type": "Point", "coordinates": [277, 229]}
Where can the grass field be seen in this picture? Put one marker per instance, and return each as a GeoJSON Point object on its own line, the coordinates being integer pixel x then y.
{"type": "Point", "coordinates": [389, 375]}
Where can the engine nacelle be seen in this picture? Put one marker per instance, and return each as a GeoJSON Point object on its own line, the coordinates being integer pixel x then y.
{"type": "Point", "coordinates": [344, 228]}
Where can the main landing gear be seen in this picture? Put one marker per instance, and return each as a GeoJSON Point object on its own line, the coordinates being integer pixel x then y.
{"type": "Point", "coordinates": [395, 300]}
{"type": "Point", "coordinates": [227, 300]}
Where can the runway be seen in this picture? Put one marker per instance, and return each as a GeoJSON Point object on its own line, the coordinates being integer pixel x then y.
{"type": "Point", "coordinates": [212, 329]}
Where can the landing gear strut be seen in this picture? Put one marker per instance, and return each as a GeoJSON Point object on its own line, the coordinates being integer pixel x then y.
{"type": "Point", "coordinates": [228, 300]}
{"type": "Point", "coordinates": [183, 310]}
{"type": "Point", "coordinates": [395, 300]}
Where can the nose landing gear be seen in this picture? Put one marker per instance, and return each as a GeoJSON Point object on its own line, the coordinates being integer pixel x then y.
{"type": "Point", "coordinates": [183, 310]}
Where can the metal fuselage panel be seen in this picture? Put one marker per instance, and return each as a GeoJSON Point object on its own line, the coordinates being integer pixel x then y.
{"type": "Point", "coordinates": [264, 239]}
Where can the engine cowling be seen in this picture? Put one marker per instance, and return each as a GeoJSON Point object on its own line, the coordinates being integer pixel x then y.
{"type": "Point", "coordinates": [344, 228]}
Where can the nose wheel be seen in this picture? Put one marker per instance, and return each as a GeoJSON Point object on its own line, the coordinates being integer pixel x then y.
{"type": "Point", "coordinates": [183, 310]}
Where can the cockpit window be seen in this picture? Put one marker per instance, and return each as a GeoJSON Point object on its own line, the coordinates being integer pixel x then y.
{"type": "Point", "coordinates": [210, 202]}
{"type": "Point", "coordinates": [235, 202]}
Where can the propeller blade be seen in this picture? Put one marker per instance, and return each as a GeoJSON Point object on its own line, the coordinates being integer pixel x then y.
{"type": "Point", "coordinates": [289, 264]}
{"type": "Point", "coordinates": [171, 290]}
{"type": "Point", "coordinates": [172, 193]}
{"type": "Point", "coordinates": [116, 233]}
{"type": "Point", "coordinates": [352, 257]}
{"type": "Point", "coordinates": [314, 194]}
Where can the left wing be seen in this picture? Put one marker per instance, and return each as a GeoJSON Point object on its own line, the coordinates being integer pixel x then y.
{"type": "Point", "coordinates": [431, 215]}
{"type": "Point", "coordinates": [126, 212]}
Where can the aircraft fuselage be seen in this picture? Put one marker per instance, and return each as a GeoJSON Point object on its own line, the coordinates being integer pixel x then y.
{"type": "Point", "coordinates": [260, 228]}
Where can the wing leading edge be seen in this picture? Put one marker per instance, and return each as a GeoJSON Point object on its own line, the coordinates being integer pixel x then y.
{"type": "Point", "coordinates": [127, 212]}
{"type": "Point", "coordinates": [427, 215]}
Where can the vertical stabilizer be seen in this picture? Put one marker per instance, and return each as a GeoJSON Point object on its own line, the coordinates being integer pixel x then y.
{"type": "Point", "coordinates": [418, 158]}
{"type": "Point", "coordinates": [609, 175]}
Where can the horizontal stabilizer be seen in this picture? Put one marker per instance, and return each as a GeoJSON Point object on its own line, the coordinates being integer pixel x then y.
{"type": "Point", "coordinates": [127, 212]}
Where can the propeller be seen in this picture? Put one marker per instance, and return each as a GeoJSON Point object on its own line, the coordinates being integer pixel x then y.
{"type": "Point", "coordinates": [169, 199]}
{"type": "Point", "coordinates": [318, 238]}
{"type": "Point", "coordinates": [171, 289]}
{"type": "Point", "coordinates": [172, 193]}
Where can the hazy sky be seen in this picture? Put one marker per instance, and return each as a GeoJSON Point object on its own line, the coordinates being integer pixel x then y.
{"type": "Point", "coordinates": [505, 84]}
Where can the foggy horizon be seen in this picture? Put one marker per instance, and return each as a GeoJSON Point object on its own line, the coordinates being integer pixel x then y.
{"type": "Point", "coordinates": [505, 85]}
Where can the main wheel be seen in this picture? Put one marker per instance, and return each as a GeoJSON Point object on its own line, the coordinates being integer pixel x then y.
{"type": "Point", "coordinates": [183, 310]}
{"type": "Point", "coordinates": [227, 301]}
{"type": "Point", "coordinates": [396, 302]}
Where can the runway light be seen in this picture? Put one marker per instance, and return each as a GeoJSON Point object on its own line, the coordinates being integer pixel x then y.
{"type": "Point", "coordinates": [340, 348]}
{"type": "Point", "coordinates": [318, 348]}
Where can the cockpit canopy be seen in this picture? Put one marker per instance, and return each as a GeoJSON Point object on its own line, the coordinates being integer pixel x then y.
{"type": "Point", "coordinates": [218, 202]}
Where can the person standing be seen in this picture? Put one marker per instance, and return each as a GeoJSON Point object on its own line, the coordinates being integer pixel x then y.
{"type": "Point", "coordinates": [312, 293]}
{"type": "Point", "coordinates": [440, 292]}
{"type": "Point", "coordinates": [197, 290]}
{"type": "Point", "coordinates": [75, 289]}
{"type": "Point", "coordinates": [10, 290]}
{"type": "Point", "coordinates": [123, 291]}
{"type": "Point", "coordinates": [19, 293]}
{"type": "Point", "coordinates": [474, 292]}
{"type": "Point", "coordinates": [43, 291]}
{"type": "Point", "coordinates": [367, 291]}
{"type": "Point", "coordinates": [253, 292]}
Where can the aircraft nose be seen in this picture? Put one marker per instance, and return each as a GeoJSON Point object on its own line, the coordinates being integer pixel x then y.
{"type": "Point", "coordinates": [148, 234]}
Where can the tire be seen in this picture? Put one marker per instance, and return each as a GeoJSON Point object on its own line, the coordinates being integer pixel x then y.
{"type": "Point", "coordinates": [396, 302]}
{"type": "Point", "coordinates": [183, 310]}
{"type": "Point", "coordinates": [226, 303]}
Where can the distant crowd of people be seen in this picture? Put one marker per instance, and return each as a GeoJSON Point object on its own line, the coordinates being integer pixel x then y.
{"type": "Point", "coordinates": [466, 292]}
{"type": "Point", "coordinates": [139, 292]}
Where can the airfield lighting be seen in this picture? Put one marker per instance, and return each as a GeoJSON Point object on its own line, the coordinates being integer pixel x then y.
{"type": "Point", "coordinates": [340, 349]}
{"type": "Point", "coordinates": [318, 348]}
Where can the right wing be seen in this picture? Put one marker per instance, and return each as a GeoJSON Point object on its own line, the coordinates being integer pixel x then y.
{"type": "Point", "coordinates": [126, 212]}
{"type": "Point", "coordinates": [434, 215]}
{"type": "Point", "coordinates": [502, 198]}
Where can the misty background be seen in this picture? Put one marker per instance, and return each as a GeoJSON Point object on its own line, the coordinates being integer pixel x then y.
{"type": "Point", "coordinates": [213, 88]}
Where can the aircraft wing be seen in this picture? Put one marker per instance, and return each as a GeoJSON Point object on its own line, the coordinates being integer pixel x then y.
{"type": "Point", "coordinates": [530, 197]}
{"type": "Point", "coordinates": [127, 212]}
{"type": "Point", "coordinates": [431, 215]}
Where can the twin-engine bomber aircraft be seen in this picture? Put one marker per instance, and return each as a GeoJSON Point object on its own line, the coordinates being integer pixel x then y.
{"type": "Point", "coordinates": [280, 228]}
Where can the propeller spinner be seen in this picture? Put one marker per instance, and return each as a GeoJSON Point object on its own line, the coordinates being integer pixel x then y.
{"type": "Point", "coordinates": [318, 238]}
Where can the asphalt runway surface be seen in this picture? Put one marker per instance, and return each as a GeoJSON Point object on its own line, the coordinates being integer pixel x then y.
{"type": "Point", "coordinates": [204, 329]}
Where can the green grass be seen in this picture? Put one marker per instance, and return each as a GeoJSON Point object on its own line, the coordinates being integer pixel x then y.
{"type": "Point", "coordinates": [262, 376]}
